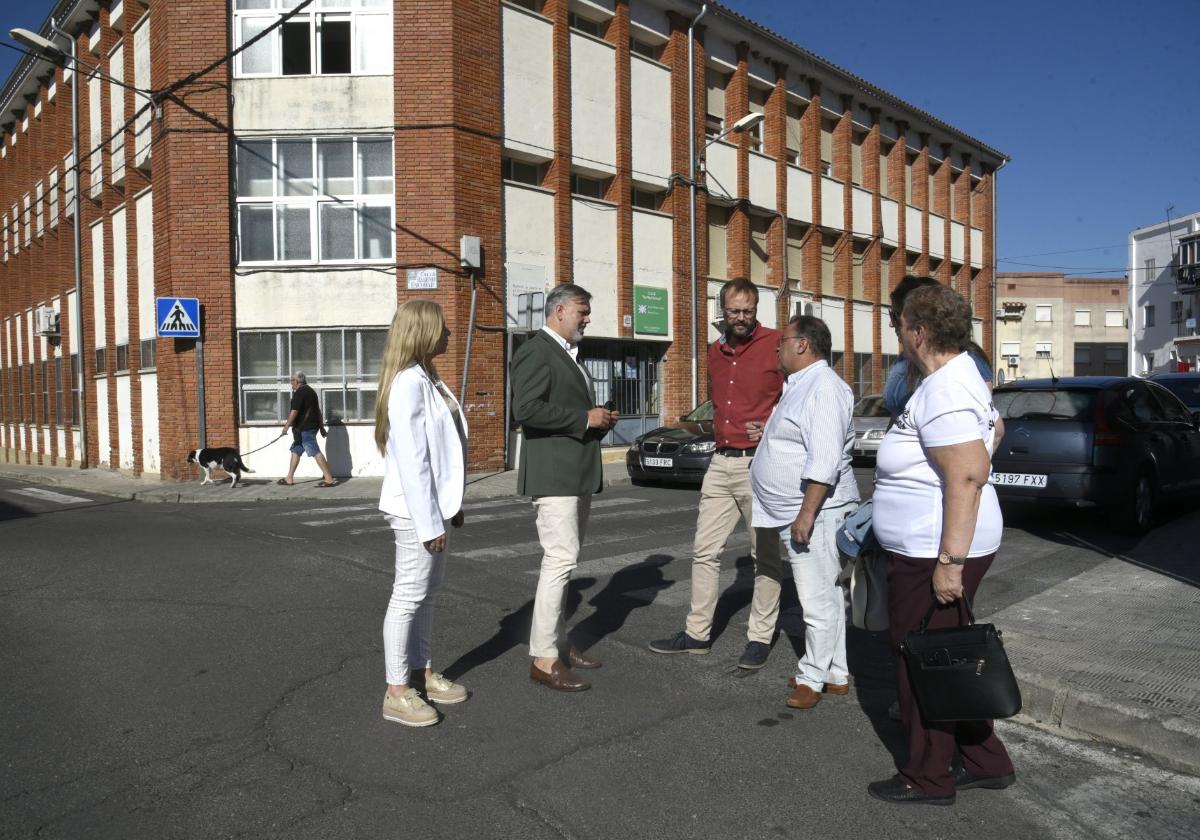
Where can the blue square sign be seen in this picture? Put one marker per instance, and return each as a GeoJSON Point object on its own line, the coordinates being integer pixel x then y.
{"type": "Point", "coordinates": [178, 317]}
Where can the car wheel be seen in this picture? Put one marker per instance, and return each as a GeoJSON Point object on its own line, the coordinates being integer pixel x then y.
{"type": "Point", "coordinates": [1140, 514]}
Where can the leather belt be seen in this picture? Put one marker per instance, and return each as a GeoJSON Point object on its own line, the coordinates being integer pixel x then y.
{"type": "Point", "coordinates": [730, 452]}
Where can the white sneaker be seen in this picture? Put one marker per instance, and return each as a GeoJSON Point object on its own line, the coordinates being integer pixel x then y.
{"type": "Point", "coordinates": [440, 690]}
{"type": "Point", "coordinates": [408, 709]}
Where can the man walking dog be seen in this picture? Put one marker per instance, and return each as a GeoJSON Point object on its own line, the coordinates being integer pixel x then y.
{"type": "Point", "coordinates": [304, 419]}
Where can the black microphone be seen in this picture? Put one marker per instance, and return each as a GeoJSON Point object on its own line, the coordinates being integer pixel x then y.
{"type": "Point", "coordinates": [610, 406]}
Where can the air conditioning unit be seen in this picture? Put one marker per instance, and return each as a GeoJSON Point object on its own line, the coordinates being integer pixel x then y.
{"type": "Point", "coordinates": [1013, 361]}
{"type": "Point", "coordinates": [45, 320]}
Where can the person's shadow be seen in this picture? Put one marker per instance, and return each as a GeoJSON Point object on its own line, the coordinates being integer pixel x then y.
{"type": "Point", "coordinates": [613, 604]}
{"type": "Point", "coordinates": [337, 450]}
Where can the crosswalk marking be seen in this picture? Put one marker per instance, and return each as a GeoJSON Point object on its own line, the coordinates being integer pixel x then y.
{"type": "Point", "coordinates": [629, 514]}
{"type": "Point", "coordinates": [49, 496]}
{"type": "Point", "coordinates": [341, 509]}
{"type": "Point", "coordinates": [602, 566]}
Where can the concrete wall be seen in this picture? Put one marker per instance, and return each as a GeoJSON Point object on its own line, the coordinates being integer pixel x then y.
{"type": "Point", "coordinates": [281, 299]}
{"type": "Point", "coordinates": [799, 194]}
{"type": "Point", "coordinates": [528, 82]}
{"type": "Point", "coordinates": [652, 258]}
{"type": "Point", "coordinates": [593, 105]}
{"type": "Point", "coordinates": [594, 227]}
{"type": "Point", "coordinates": [312, 104]}
{"type": "Point", "coordinates": [650, 86]}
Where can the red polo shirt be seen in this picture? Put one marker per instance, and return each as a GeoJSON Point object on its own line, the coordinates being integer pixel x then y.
{"type": "Point", "coordinates": [744, 383]}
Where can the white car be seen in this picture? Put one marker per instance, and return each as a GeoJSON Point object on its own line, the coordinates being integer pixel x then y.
{"type": "Point", "coordinates": [870, 423]}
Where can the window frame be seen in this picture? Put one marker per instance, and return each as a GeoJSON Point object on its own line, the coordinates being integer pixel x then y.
{"type": "Point", "coordinates": [352, 11]}
{"type": "Point", "coordinates": [279, 201]}
{"type": "Point", "coordinates": [1120, 318]}
{"type": "Point", "coordinates": [278, 384]}
{"type": "Point", "coordinates": [1041, 308]}
{"type": "Point", "coordinates": [1147, 315]}
{"type": "Point", "coordinates": [1086, 320]}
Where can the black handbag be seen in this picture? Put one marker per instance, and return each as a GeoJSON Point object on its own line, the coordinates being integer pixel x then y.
{"type": "Point", "coordinates": [960, 673]}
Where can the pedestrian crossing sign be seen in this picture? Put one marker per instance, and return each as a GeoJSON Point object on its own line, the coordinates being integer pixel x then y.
{"type": "Point", "coordinates": [178, 317]}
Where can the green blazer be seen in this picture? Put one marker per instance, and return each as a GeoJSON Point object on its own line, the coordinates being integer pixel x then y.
{"type": "Point", "coordinates": [551, 399]}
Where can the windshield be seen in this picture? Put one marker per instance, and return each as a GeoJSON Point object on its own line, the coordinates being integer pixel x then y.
{"type": "Point", "coordinates": [1050, 404]}
{"type": "Point", "coordinates": [871, 406]}
{"type": "Point", "coordinates": [704, 411]}
{"type": "Point", "coordinates": [1186, 388]}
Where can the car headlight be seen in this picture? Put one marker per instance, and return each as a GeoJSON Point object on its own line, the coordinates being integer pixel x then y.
{"type": "Point", "coordinates": [874, 434]}
{"type": "Point", "coordinates": [700, 448]}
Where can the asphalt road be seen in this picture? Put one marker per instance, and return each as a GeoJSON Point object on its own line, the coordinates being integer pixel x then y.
{"type": "Point", "coordinates": [200, 671]}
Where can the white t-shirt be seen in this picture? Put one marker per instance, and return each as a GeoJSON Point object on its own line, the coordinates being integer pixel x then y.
{"type": "Point", "coordinates": [951, 405]}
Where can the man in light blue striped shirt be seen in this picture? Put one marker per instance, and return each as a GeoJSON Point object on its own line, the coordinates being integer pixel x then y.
{"type": "Point", "coordinates": [804, 489]}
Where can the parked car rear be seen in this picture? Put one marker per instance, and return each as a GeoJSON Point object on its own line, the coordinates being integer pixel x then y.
{"type": "Point", "coordinates": [1186, 386]}
{"type": "Point", "coordinates": [1121, 443]}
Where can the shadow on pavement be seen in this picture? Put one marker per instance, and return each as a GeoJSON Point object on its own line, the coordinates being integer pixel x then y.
{"type": "Point", "coordinates": [1161, 550]}
{"type": "Point", "coordinates": [10, 511]}
{"type": "Point", "coordinates": [615, 602]}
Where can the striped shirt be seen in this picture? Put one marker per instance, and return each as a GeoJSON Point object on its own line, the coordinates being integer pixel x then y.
{"type": "Point", "coordinates": [807, 438]}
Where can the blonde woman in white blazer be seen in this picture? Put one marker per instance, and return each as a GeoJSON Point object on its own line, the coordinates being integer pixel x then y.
{"type": "Point", "coordinates": [420, 430]}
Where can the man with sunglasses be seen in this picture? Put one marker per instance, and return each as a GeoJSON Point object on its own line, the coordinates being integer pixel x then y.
{"type": "Point", "coordinates": [744, 383]}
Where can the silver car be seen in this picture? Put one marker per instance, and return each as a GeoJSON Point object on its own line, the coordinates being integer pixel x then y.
{"type": "Point", "coordinates": [870, 423]}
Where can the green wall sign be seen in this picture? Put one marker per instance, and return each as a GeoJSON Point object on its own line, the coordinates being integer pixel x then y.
{"type": "Point", "coordinates": [649, 310]}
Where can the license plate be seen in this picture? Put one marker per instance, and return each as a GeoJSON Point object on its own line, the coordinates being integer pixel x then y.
{"type": "Point", "coordinates": [1019, 479]}
{"type": "Point", "coordinates": [659, 462]}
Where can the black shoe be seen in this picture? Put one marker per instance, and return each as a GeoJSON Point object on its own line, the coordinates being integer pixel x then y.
{"type": "Point", "coordinates": [899, 792]}
{"type": "Point", "coordinates": [681, 642]}
{"type": "Point", "coordinates": [754, 656]}
{"type": "Point", "coordinates": [965, 781]}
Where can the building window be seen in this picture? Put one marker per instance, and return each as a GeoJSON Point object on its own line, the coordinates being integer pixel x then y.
{"type": "Point", "coordinates": [69, 185]}
{"type": "Point", "coordinates": [342, 366]}
{"type": "Point", "coordinates": [326, 200]}
{"type": "Point", "coordinates": [101, 366]}
{"type": "Point", "coordinates": [1151, 271]}
{"type": "Point", "coordinates": [344, 37]}
{"type": "Point", "coordinates": [714, 108]}
{"type": "Point", "coordinates": [45, 375]}
{"type": "Point", "coordinates": [795, 254]}
{"type": "Point", "coordinates": [39, 206]}
{"type": "Point", "coordinates": [1042, 349]}
{"type": "Point", "coordinates": [59, 419]}
{"type": "Point", "coordinates": [28, 220]}
{"type": "Point", "coordinates": [828, 263]}
{"type": "Point", "coordinates": [1176, 311]}
{"type": "Point", "coordinates": [122, 358]}
{"type": "Point", "coordinates": [1010, 348]}
{"type": "Point", "coordinates": [760, 254]}
{"type": "Point", "coordinates": [795, 115]}
{"type": "Point", "coordinates": [1114, 318]}
{"type": "Point", "coordinates": [862, 374]}
{"type": "Point", "coordinates": [6, 237]}
{"type": "Point", "coordinates": [718, 241]}
{"type": "Point", "coordinates": [856, 158]}
{"type": "Point", "coordinates": [1083, 317]}
{"type": "Point", "coordinates": [1043, 312]}
{"type": "Point", "coordinates": [52, 188]}
{"type": "Point", "coordinates": [828, 126]}
{"type": "Point", "coordinates": [73, 373]}
{"type": "Point", "coordinates": [1083, 356]}
{"type": "Point", "coordinates": [646, 199]}
{"type": "Point", "coordinates": [148, 354]}
{"type": "Point", "coordinates": [532, 5]}
{"type": "Point", "coordinates": [521, 172]}
{"type": "Point", "coordinates": [587, 26]}
{"type": "Point", "coordinates": [645, 49]}
{"type": "Point", "coordinates": [885, 149]}
{"type": "Point", "coordinates": [758, 105]}
{"type": "Point", "coordinates": [586, 187]}
{"type": "Point", "coordinates": [1148, 315]}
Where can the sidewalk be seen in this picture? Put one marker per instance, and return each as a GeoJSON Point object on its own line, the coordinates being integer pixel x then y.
{"type": "Point", "coordinates": [1114, 652]}
{"type": "Point", "coordinates": [252, 489]}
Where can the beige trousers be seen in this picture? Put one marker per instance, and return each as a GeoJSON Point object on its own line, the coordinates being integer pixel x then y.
{"type": "Point", "coordinates": [561, 523]}
{"type": "Point", "coordinates": [725, 497]}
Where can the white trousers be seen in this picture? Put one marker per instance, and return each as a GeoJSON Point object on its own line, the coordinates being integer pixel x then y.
{"type": "Point", "coordinates": [815, 569]}
{"type": "Point", "coordinates": [561, 523]}
{"type": "Point", "coordinates": [409, 620]}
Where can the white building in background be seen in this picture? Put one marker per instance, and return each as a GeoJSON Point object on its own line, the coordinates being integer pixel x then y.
{"type": "Point", "coordinates": [1164, 292]}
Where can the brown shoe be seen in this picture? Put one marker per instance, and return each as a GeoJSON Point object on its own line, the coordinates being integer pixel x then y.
{"type": "Point", "coordinates": [803, 698]}
{"type": "Point", "coordinates": [560, 678]}
{"type": "Point", "coordinates": [830, 688]}
{"type": "Point", "coordinates": [578, 659]}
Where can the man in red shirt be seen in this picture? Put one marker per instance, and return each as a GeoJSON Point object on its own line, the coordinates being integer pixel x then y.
{"type": "Point", "coordinates": [744, 383]}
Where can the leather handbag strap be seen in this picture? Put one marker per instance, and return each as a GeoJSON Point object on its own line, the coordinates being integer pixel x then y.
{"type": "Point", "coordinates": [959, 604]}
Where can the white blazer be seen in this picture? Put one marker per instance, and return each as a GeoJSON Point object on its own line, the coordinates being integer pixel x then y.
{"type": "Point", "coordinates": [424, 472]}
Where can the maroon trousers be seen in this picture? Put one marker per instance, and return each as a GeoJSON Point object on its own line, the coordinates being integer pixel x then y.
{"type": "Point", "coordinates": [931, 746]}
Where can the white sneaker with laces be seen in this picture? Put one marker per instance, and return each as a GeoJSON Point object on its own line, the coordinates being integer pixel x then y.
{"type": "Point", "coordinates": [408, 709]}
{"type": "Point", "coordinates": [441, 690]}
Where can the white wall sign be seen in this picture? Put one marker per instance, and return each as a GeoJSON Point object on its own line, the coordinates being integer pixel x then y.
{"type": "Point", "coordinates": [422, 278]}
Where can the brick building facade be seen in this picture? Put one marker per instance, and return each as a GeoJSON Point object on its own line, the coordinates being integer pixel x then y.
{"type": "Point", "coordinates": [304, 187]}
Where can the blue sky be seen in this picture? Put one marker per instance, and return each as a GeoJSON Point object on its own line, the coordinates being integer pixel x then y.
{"type": "Point", "coordinates": [1094, 101]}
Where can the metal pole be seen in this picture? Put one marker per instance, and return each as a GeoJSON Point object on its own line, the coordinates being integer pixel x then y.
{"type": "Point", "coordinates": [692, 197]}
{"type": "Point", "coordinates": [200, 388]}
{"type": "Point", "coordinates": [77, 236]}
{"type": "Point", "coordinates": [462, 388]}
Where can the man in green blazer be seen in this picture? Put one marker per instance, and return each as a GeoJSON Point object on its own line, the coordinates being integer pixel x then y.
{"type": "Point", "coordinates": [555, 404]}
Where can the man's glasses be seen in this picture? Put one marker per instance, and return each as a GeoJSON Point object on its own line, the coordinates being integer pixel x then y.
{"type": "Point", "coordinates": [744, 313]}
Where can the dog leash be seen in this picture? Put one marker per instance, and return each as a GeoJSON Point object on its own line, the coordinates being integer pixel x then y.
{"type": "Point", "coordinates": [264, 446]}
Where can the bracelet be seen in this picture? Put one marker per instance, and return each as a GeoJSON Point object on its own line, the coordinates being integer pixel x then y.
{"type": "Point", "coordinates": [945, 558]}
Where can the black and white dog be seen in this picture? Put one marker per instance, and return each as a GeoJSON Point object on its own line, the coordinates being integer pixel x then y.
{"type": "Point", "coordinates": [219, 457]}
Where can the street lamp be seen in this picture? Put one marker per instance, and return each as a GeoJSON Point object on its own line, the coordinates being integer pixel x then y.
{"type": "Point", "coordinates": [49, 50]}
{"type": "Point", "coordinates": [743, 124]}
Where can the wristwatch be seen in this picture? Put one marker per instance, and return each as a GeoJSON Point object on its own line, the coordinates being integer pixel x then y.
{"type": "Point", "coordinates": [945, 558]}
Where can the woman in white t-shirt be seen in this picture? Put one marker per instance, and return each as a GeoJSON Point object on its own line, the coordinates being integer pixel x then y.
{"type": "Point", "coordinates": [937, 517]}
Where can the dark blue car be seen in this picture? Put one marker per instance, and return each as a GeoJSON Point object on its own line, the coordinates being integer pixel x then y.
{"type": "Point", "coordinates": [1119, 443]}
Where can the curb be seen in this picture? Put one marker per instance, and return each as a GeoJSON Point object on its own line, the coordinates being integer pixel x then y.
{"type": "Point", "coordinates": [1168, 739]}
